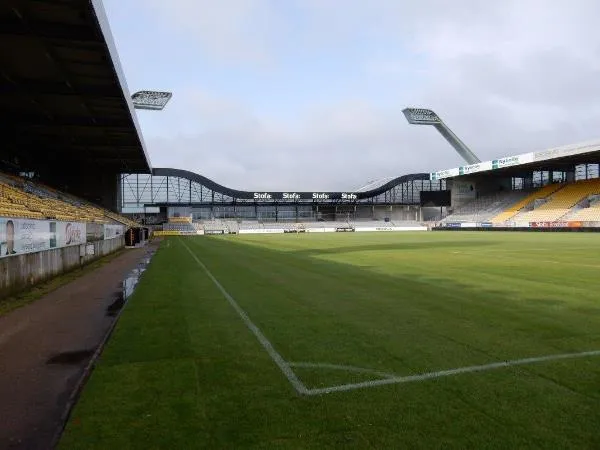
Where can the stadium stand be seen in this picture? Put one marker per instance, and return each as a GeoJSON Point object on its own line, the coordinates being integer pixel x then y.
{"type": "Point", "coordinates": [180, 224]}
{"type": "Point", "coordinates": [513, 210]}
{"type": "Point", "coordinates": [26, 199]}
{"type": "Point", "coordinates": [589, 214]}
{"type": "Point", "coordinates": [250, 225]}
{"type": "Point", "coordinates": [485, 207]}
{"type": "Point", "coordinates": [180, 219]}
{"type": "Point", "coordinates": [214, 226]}
{"type": "Point", "coordinates": [182, 227]}
{"type": "Point", "coordinates": [561, 202]}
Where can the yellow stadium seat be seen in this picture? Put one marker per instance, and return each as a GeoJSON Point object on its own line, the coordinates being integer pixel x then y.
{"type": "Point", "coordinates": [560, 203]}
{"type": "Point", "coordinates": [514, 210]}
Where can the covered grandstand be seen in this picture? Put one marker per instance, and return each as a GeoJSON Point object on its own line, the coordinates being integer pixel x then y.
{"type": "Point", "coordinates": [558, 187]}
{"type": "Point", "coordinates": [67, 116]}
{"type": "Point", "coordinates": [69, 129]}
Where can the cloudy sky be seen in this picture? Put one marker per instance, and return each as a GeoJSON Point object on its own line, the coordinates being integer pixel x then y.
{"type": "Point", "coordinates": [308, 94]}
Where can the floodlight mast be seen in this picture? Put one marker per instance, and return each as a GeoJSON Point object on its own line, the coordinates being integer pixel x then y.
{"type": "Point", "coordinates": [152, 100]}
{"type": "Point", "coordinates": [420, 116]}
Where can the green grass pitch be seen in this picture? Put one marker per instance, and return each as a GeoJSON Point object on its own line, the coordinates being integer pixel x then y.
{"type": "Point", "coordinates": [185, 369]}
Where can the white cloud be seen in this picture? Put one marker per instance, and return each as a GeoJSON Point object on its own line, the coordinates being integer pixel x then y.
{"type": "Point", "coordinates": [239, 31]}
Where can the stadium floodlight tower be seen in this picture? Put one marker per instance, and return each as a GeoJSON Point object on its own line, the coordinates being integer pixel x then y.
{"type": "Point", "coordinates": [421, 116]}
{"type": "Point", "coordinates": [153, 100]}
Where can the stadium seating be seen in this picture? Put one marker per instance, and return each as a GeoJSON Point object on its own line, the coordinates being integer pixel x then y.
{"type": "Point", "coordinates": [214, 226]}
{"type": "Point", "coordinates": [180, 219]}
{"type": "Point", "coordinates": [22, 198]}
{"type": "Point", "coordinates": [250, 225]}
{"type": "Point", "coordinates": [591, 214]}
{"type": "Point", "coordinates": [560, 203]}
{"type": "Point", "coordinates": [185, 227]}
{"type": "Point", "coordinates": [484, 208]}
{"type": "Point", "coordinates": [513, 210]}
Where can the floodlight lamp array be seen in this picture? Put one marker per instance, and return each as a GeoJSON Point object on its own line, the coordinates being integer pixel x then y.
{"type": "Point", "coordinates": [155, 100]}
{"type": "Point", "coordinates": [421, 116]}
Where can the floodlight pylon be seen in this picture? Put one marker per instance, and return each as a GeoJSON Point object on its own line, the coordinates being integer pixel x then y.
{"type": "Point", "coordinates": [422, 116]}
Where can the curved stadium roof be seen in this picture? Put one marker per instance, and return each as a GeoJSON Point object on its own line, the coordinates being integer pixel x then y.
{"type": "Point", "coordinates": [368, 191]}
{"type": "Point", "coordinates": [374, 184]}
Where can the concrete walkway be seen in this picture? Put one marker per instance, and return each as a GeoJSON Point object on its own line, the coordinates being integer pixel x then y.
{"type": "Point", "coordinates": [45, 347]}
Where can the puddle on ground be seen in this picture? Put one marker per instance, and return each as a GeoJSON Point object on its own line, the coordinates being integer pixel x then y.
{"type": "Point", "coordinates": [72, 357]}
{"type": "Point", "coordinates": [132, 279]}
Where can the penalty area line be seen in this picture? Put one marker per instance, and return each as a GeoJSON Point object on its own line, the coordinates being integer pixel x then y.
{"type": "Point", "coordinates": [274, 354]}
{"type": "Point", "coordinates": [450, 372]}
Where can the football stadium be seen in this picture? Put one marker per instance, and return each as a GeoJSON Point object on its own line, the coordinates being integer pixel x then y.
{"type": "Point", "coordinates": [152, 307]}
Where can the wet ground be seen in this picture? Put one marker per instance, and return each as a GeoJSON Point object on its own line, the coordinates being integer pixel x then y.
{"type": "Point", "coordinates": [46, 346]}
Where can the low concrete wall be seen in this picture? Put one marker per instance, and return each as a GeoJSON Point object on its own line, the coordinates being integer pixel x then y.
{"type": "Point", "coordinates": [19, 272]}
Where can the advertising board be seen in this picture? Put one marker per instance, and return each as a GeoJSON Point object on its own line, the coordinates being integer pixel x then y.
{"type": "Point", "coordinates": [474, 168]}
{"type": "Point", "coordinates": [567, 150]}
{"type": "Point", "coordinates": [112, 231]}
{"type": "Point", "coordinates": [331, 230]}
{"type": "Point", "coordinates": [262, 231]}
{"type": "Point", "coordinates": [388, 229]}
{"type": "Point", "coordinates": [18, 235]}
{"type": "Point", "coordinates": [453, 225]}
{"type": "Point", "coordinates": [548, 224]}
{"type": "Point", "coordinates": [571, 224]}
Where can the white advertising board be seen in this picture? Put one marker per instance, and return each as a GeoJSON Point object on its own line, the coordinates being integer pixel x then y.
{"type": "Point", "coordinates": [320, 230]}
{"type": "Point", "coordinates": [474, 168]}
{"type": "Point", "coordinates": [333, 230]}
{"type": "Point", "coordinates": [262, 231]}
{"type": "Point", "coordinates": [391, 229]}
{"type": "Point", "coordinates": [19, 236]}
{"type": "Point", "coordinates": [70, 233]}
{"type": "Point", "coordinates": [112, 231]}
{"type": "Point", "coordinates": [448, 173]}
{"type": "Point", "coordinates": [567, 150]}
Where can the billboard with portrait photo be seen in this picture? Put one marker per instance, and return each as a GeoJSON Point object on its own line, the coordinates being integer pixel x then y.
{"type": "Point", "coordinates": [23, 236]}
{"type": "Point", "coordinates": [18, 236]}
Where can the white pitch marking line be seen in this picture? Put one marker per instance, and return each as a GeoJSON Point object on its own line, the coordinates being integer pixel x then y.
{"type": "Point", "coordinates": [309, 365]}
{"type": "Point", "coordinates": [449, 372]}
{"type": "Point", "coordinates": [275, 356]}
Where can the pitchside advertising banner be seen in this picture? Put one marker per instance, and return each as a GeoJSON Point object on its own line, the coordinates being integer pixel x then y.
{"type": "Point", "coordinates": [570, 224]}
{"type": "Point", "coordinates": [18, 236]}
